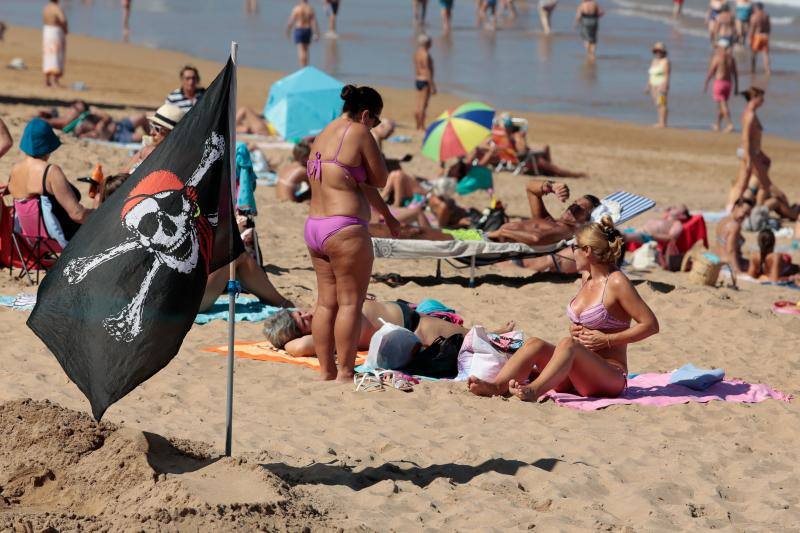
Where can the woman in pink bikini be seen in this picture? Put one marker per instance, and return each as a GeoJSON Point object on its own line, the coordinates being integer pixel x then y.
{"type": "Point", "coordinates": [593, 360]}
{"type": "Point", "coordinates": [344, 172]}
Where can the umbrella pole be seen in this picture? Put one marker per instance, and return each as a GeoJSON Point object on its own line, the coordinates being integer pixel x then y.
{"type": "Point", "coordinates": [232, 283]}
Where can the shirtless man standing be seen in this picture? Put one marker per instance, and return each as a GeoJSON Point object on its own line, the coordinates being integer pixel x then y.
{"type": "Point", "coordinates": [54, 43]}
{"type": "Point", "coordinates": [542, 228]}
{"type": "Point", "coordinates": [759, 36]}
{"type": "Point", "coordinates": [302, 25]}
{"type": "Point", "coordinates": [724, 31]}
{"type": "Point", "coordinates": [726, 77]}
{"type": "Point", "coordinates": [423, 73]}
{"type": "Point", "coordinates": [729, 238]}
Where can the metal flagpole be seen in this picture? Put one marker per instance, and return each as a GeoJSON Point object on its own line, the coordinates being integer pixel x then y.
{"type": "Point", "coordinates": [233, 285]}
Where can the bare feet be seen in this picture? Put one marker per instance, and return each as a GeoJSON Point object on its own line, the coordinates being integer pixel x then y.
{"type": "Point", "coordinates": [521, 391]}
{"type": "Point", "coordinates": [729, 128]}
{"type": "Point", "coordinates": [715, 127]}
{"type": "Point", "coordinates": [327, 376]}
{"type": "Point", "coordinates": [480, 387]}
{"type": "Point", "coordinates": [345, 376]}
{"type": "Point", "coordinates": [509, 326]}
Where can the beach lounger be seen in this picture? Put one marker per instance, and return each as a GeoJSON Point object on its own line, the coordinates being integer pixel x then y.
{"type": "Point", "coordinates": [623, 206]}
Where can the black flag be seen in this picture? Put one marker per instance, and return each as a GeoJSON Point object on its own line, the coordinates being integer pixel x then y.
{"type": "Point", "coordinates": [116, 306]}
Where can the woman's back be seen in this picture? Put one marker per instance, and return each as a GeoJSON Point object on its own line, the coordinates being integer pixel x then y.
{"type": "Point", "coordinates": [26, 178]}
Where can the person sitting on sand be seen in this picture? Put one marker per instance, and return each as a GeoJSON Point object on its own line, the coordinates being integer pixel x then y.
{"type": "Point", "coordinates": [290, 330]}
{"type": "Point", "coordinates": [542, 228]}
{"type": "Point", "coordinates": [34, 177]}
{"type": "Point", "coordinates": [488, 153]}
{"type": "Point", "coordinates": [161, 124]}
{"type": "Point", "coordinates": [250, 122]}
{"type": "Point", "coordinates": [402, 189]}
{"type": "Point", "coordinates": [729, 238]}
{"type": "Point", "coordinates": [293, 176]}
{"type": "Point", "coordinates": [768, 265]}
{"type": "Point", "coordinates": [252, 278]}
{"type": "Point", "coordinates": [593, 359]}
{"type": "Point", "coordinates": [190, 92]}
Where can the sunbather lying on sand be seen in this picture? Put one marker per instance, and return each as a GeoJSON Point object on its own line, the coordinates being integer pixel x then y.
{"type": "Point", "coordinates": [542, 228]}
{"type": "Point", "coordinates": [667, 227]}
{"type": "Point", "coordinates": [248, 121]}
{"type": "Point", "coordinates": [291, 330]}
{"type": "Point", "coordinates": [593, 359]}
{"type": "Point", "coordinates": [488, 153]}
{"type": "Point", "coordinates": [729, 238]}
{"type": "Point", "coordinates": [768, 265]}
{"type": "Point", "coordinates": [88, 122]}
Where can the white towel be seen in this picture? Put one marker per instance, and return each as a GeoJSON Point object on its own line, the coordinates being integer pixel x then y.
{"type": "Point", "coordinates": [53, 48]}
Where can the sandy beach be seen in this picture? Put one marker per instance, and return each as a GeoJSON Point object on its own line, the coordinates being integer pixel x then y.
{"type": "Point", "coordinates": [318, 456]}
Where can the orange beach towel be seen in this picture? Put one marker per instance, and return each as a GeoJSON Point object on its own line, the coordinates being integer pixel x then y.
{"type": "Point", "coordinates": [264, 351]}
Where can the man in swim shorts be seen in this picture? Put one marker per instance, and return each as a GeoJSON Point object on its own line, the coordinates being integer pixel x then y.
{"type": "Point", "coordinates": [303, 25]}
{"type": "Point", "coordinates": [332, 7]}
{"type": "Point", "coordinates": [423, 78]}
{"type": "Point", "coordinates": [726, 77]}
{"type": "Point", "coordinates": [447, 13]}
{"type": "Point", "coordinates": [759, 36]}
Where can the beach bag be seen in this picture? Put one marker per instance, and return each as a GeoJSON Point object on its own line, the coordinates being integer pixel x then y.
{"type": "Point", "coordinates": [392, 347]}
{"type": "Point", "coordinates": [479, 356]}
{"type": "Point", "coordinates": [704, 269]}
{"type": "Point", "coordinates": [757, 220]}
{"type": "Point", "coordinates": [478, 178]}
{"type": "Point", "coordinates": [491, 219]}
{"type": "Point", "coordinates": [645, 256]}
{"type": "Point", "coordinates": [439, 360]}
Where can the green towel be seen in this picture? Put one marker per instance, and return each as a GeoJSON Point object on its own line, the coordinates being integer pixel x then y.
{"type": "Point", "coordinates": [74, 124]}
{"type": "Point", "coordinates": [465, 234]}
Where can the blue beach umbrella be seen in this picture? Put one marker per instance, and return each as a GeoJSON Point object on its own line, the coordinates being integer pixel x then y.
{"type": "Point", "coordinates": [303, 103]}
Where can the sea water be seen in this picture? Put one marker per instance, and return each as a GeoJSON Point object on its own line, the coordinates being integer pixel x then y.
{"type": "Point", "coordinates": [516, 67]}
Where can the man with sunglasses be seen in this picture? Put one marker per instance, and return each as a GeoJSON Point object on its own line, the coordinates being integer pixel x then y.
{"type": "Point", "coordinates": [542, 228]}
{"type": "Point", "coordinates": [188, 94]}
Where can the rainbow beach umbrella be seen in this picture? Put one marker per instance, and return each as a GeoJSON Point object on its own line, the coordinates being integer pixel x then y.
{"type": "Point", "coordinates": [455, 133]}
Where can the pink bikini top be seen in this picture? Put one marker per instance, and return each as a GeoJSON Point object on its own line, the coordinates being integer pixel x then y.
{"type": "Point", "coordinates": [314, 165]}
{"type": "Point", "coordinates": [597, 316]}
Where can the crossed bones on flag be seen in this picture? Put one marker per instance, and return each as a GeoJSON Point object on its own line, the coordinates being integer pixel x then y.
{"type": "Point", "coordinates": [172, 229]}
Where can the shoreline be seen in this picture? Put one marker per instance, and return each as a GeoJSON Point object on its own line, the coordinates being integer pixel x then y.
{"type": "Point", "coordinates": [154, 70]}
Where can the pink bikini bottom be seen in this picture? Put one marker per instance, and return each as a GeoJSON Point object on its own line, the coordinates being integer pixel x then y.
{"type": "Point", "coordinates": [320, 229]}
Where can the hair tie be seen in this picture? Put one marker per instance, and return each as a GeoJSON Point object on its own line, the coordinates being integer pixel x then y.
{"type": "Point", "coordinates": [611, 233]}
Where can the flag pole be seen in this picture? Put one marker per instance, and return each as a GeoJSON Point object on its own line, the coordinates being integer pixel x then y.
{"type": "Point", "coordinates": [232, 284]}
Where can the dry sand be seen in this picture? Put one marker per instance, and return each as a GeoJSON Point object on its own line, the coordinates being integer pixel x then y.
{"type": "Point", "coordinates": [317, 454]}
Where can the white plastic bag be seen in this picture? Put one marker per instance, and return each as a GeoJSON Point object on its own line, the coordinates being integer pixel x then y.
{"type": "Point", "coordinates": [392, 347]}
{"type": "Point", "coordinates": [645, 256]}
{"type": "Point", "coordinates": [478, 357]}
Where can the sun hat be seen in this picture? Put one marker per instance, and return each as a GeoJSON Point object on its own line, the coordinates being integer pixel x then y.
{"type": "Point", "coordinates": [659, 47]}
{"type": "Point", "coordinates": [38, 139]}
{"type": "Point", "coordinates": [167, 116]}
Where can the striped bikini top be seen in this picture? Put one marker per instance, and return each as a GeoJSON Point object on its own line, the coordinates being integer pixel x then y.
{"type": "Point", "coordinates": [597, 316]}
{"type": "Point", "coordinates": [314, 165]}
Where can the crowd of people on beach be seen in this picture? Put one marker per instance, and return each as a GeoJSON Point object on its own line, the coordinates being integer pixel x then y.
{"type": "Point", "coordinates": [355, 194]}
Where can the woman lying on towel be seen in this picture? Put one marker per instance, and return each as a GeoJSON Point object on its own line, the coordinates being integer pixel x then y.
{"type": "Point", "coordinates": [291, 330]}
{"type": "Point", "coordinates": [593, 359]}
{"type": "Point", "coordinates": [768, 265]}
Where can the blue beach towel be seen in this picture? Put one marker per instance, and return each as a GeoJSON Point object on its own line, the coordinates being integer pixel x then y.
{"type": "Point", "coordinates": [247, 309]}
{"type": "Point", "coordinates": [696, 378]}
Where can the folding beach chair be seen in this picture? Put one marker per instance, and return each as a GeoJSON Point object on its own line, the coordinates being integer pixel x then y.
{"type": "Point", "coordinates": [35, 248]}
{"type": "Point", "coordinates": [622, 206]}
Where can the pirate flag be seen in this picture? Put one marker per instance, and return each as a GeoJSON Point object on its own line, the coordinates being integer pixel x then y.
{"type": "Point", "coordinates": [116, 306]}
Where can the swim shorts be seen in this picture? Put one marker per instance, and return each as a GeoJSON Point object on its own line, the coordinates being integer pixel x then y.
{"type": "Point", "coordinates": [334, 6]}
{"type": "Point", "coordinates": [446, 4]}
{"type": "Point", "coordinates": [124, 131]}
{"type": "Point", "coordinates": [410, 316]}
{"type": "Point", "coordinates": [760, 42]}
{"type": "Point", "coordinates": [421, 85]}
{"type": "Point", "coordinates": [722, 90]}
{"type": "Point", "coordinates": [302, 35]}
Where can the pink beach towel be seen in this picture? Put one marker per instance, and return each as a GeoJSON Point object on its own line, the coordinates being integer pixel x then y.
{"type": "Point", "coordinates": [655, 390]}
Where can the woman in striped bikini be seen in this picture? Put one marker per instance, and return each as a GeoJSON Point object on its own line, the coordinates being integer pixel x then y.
{"type": "Point", "coordinates": [593, 359]}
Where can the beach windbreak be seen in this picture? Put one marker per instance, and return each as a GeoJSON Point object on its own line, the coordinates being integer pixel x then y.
{"type": "Point", "coordinates": [117, 305]}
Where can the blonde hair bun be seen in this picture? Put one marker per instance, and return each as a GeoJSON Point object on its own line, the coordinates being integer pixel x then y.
{"type": "Point", "coordinates": [605, 240]}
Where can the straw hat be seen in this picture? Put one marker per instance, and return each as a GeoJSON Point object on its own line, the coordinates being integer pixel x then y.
{"type": "Point", "coordinates": [167, 116]}
{"type": "Point", "coordinates": [660, 47]}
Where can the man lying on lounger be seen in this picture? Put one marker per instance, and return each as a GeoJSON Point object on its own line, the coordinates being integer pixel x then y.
{"type": "Point", "coordinates": [542, 228]}
{"type": "Point", "coordinates": [291, 330]}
